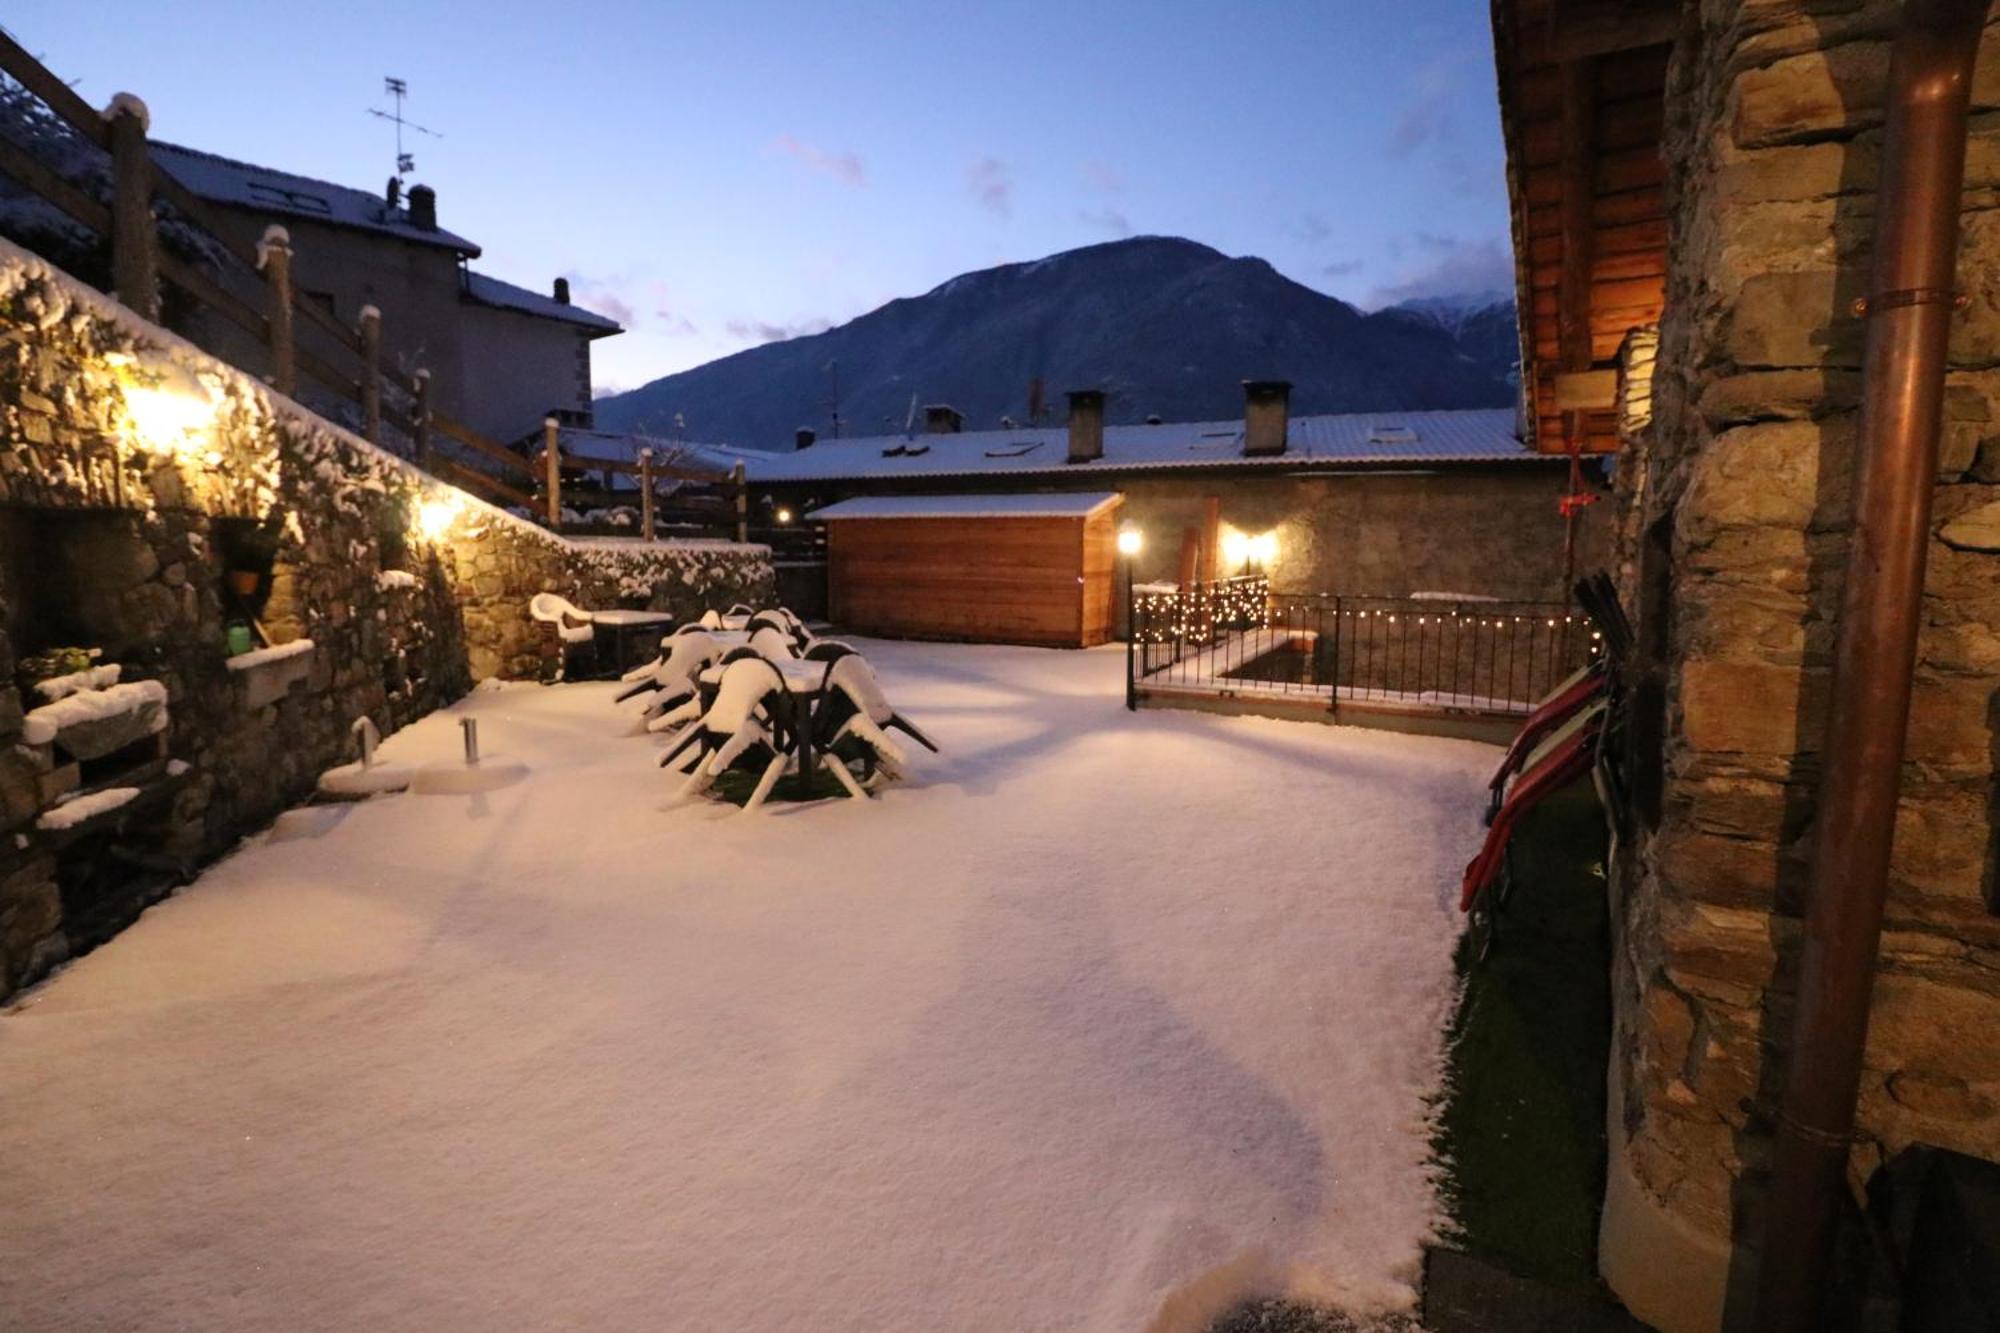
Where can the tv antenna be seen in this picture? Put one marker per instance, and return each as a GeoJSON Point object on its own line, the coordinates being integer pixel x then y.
{"type": "Point", "coordinates": [399, 89]}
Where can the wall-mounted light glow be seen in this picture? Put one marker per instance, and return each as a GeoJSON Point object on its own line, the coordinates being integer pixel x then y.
{"type": "Point", "coordinates": [170, 410]}
{"type": "Point", "coordinates": [1130, 541]}
{"type": "Point", "coordinates": [434, 517]}
{"type": "Point", "coordinates": [1235, 548]}
{"type": "Point", "coordinates": [1264, 548]}
{"type": "Point", "coordinates": [784, 515]}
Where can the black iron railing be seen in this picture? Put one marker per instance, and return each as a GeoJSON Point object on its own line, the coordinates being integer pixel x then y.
{"type": "Point", "coordinates": [1237, 637]}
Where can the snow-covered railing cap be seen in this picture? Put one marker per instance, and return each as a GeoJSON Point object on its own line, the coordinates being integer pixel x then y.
{"type": "Point", "coordinates": [369, 312]}
{"type": "Point", "coordinates": [129, 104]}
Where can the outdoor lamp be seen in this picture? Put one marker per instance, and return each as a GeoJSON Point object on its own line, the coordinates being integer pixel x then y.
{"type": "Point", "coordinates": [1264, 548]}
{"type": "Point", "coordinates": [168, 406]}
{"type": "Point", "coordinates": [784, 515]}
{"type": "Point", "coordinates": [1235, 548]}
{"type": "Point", "coordinates": [434, 517]}
{"type": "Point", "coordinates": [1130, 540]}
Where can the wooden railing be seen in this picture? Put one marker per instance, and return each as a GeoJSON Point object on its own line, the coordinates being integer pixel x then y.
{"type": "Point", "coordinates": [529, 480]}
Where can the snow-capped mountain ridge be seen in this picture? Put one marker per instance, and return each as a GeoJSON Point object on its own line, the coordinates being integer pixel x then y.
{"type": "Point", "coordinates": [1166, 326]}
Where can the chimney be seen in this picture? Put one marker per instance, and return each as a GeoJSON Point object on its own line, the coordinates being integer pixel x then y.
{"type": "Point", "coordinates": [1086, 425]}
{"type": "Point", "coordinates": [943, 419]}
{"type": "Point", "coordinates": [562, 290]}
{"type": "Point", "coordinates": [423, 208]}
{"type": "Point", "coordinates": [1266, 411]}
{"type": "Point", "coordinates": [803, 438]}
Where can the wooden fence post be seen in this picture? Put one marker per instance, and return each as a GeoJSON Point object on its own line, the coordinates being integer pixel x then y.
{"type": "Point", "coordinates": [135, 266]}
{"type": "Point", "coordinates": [422, 421]}
{"type": "Point", "coordinates": [646, 493]}
{"type": "Point", "coordinates": [274, 256]}
{"type": "Point", "coordinates": [554, 462]}
{"type": "Point", "coordinates": [742, 503]}
{"type": "Point", "coordinates": [371, 374]}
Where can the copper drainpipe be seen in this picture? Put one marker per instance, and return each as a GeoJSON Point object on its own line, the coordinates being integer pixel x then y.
{"type": "Point", "coordinates": [1908, 308]}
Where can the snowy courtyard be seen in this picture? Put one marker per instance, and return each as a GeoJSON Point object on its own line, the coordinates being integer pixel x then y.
{"type": "Point", "coordinates": [1095, 1022]}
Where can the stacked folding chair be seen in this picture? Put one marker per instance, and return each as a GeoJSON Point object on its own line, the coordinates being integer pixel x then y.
{"type": "Point", "coordinates": [1568, 734]}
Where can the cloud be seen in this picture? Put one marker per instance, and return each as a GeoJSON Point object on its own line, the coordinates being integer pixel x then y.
{"type": "Point", "coordinates": [764, 332]}
{"type": "Point", "coordinates": [1452, 267]}
{"type": "Point", "coordinates": [600, 296]}
{"type": "Point", "coordinates": [1341, 269]}
{"type": "Point", "coordinates": [845, 167]}
{"type": "Point", "coordinates": [992, 184]}
{"type": "Point", "coordinates": [1101, 175]}
{"type": "Point", "coordinates": [1311, 228]}
{"type": "Point", "coordinates": [1427, 116]}
{"type": "Point", "coordinates": [1110, 219]}
{"type": "Point", "coordinates": [675, 326]}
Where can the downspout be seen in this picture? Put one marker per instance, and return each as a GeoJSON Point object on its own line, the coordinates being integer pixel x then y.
{"type": "Point", "coordinates": [1908, 308]}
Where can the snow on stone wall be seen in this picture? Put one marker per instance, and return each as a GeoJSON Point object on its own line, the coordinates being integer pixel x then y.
{"type": "Point", "coordinates": [131, 463]}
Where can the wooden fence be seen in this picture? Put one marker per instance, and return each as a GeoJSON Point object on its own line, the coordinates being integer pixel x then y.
{"type": "Point", "coordinates": [532, 480]}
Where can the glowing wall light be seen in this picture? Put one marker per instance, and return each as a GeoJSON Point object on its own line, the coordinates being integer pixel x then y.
{"type": "Point", "coordinates": [1235, 548]}
{"type": "Point", "coordinates": [1130, 541]}
{"type": "Point", "coordinates": [435, 517]}
{"type": "Point", "coordinates": [168, 409]}
{"type": "Point", "coordinates": [1264, 548]}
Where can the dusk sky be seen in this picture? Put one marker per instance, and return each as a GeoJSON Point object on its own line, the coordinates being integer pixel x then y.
{"type": "Point", "coordinates": [721, 174]}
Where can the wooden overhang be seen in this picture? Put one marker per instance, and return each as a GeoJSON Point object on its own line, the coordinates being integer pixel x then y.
{"type": "Point", "coordinates": [1582, 102]}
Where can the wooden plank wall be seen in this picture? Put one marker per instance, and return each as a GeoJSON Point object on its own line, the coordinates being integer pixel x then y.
{"type": "Point", "coordinates": [1583, 137]}
{"type": "Point", "coordinates": [1099, 569]}
{"type": "Point", "coordinates": [982, 580]}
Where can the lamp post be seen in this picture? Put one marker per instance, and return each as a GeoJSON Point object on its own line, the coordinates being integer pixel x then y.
{"type": "Point", "coordinates": [1129, 542]}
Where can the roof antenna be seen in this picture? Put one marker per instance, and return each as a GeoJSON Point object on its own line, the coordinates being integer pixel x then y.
{"type": "Point", "coordinates": [405, 164]}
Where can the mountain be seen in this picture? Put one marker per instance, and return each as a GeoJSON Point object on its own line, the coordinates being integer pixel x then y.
{"type": "Point", "coordinates": [1165, 326]}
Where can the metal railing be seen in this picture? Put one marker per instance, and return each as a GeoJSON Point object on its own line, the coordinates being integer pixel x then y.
{"type": "Point", "coordinates": [1238, 638]}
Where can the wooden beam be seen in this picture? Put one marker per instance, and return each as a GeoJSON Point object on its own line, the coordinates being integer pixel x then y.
{"type": "Point", "coordinates": [1580, 389]}
{"type": "Point", "coordinates": [1586, 29]}
{"type": "Point", "coordinates": [1579, 89]}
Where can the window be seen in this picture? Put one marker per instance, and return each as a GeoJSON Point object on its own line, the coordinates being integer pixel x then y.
{"type": "Point", "coordinates": [264, 193]}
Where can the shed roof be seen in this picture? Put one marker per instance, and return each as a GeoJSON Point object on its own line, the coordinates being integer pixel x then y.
{"type": "Point", "coordinates": [1356, 439]}
{"type": "Point", "coordinates": [487, 290]}
{"type": "Point", "coordinates": [224, 180]}
{"type": "Point", "coordinates": [1065, 505]}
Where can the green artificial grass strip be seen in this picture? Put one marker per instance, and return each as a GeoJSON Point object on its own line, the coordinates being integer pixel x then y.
{"type": "Point", "coordinates": [735, 787]}
{"type": "Point", "coordinates": [1522, 1129]}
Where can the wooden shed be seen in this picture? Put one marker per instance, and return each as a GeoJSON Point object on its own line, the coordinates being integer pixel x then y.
{"type": "Point", "coordinates": [1034, 569]}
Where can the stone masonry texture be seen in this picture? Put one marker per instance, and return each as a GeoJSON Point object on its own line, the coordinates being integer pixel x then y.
{"type": "Point", "coordinates": [1739, 495]}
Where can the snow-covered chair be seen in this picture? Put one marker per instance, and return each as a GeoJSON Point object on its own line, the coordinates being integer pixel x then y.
{"type": "Point", "coordinates": [679, 681]}
{"type": "Point", "coordinates": [749, 724]}
{"type": "Point", "coordinates": [572, 626]}
{"type": "Point", "coordinates": [774, 642]}
{"type": "Point", "coordinates": [851, 724]}
{"type": "Point", "coordinates": [782, 619]}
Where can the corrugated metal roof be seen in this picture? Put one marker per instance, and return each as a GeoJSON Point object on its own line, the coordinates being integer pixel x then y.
{"type": "Point", "coordinates": [1357, 439]}
{"type": "Point", "coordinates": [1075, 505]}
{"type": "Point", "coordinates": [492, 291]}
{"type": "Point", "coordinates": [224, 180]}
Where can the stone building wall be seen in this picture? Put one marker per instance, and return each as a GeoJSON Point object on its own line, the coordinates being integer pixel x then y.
{"type": "Point", "coordinates": [1733, 558]}
{"type": "Point", "coordinates": [115, 523]}
{"type": "Point", "coordinates": [1493, 531]}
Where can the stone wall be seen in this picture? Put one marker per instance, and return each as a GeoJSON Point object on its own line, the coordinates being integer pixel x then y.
{"type": "Point", "coordinates": [1738, 495]}
{"type": "Point", "coordinates": [1492, 531]}
{"type": "Point", "coordinates": [130, 466]}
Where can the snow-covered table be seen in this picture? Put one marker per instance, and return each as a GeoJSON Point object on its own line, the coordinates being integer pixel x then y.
{"type": "Point", "coordinates": [618, 630]}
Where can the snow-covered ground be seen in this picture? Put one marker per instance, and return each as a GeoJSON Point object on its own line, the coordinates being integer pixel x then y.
{"type": "Point", "coordinates": [1096, 1022]}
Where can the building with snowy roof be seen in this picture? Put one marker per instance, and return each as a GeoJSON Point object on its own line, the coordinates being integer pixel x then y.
{"type": "Point", "coordinates": [1382, 503]}
{"type": "Point", "coordinates": [501, 357]}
